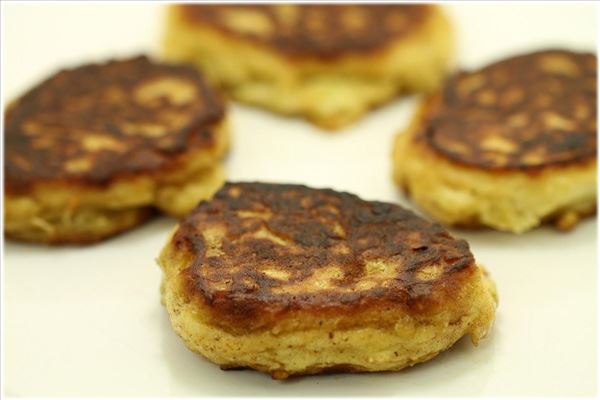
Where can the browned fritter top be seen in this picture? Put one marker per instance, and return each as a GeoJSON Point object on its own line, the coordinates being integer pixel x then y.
{"type": "Point", "coordinates": [320, 30]}
{"type": "Point", "coordinates": [526, 112]}
{"type": "Point", "coordinates": [261, 249]}
{"type": "Point", "coordinates": [95, 122]}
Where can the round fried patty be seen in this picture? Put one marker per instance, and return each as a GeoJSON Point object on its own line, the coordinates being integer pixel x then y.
{"type": "Point", "coordinates": [330, 64]}
{"type": "Point", "coordinates": [269, 266]}
{"type": "Point", "coordinates": [90, 151]}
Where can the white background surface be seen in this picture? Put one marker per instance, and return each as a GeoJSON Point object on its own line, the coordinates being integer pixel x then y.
{"type": "Point", "coordinates": [88, 321]}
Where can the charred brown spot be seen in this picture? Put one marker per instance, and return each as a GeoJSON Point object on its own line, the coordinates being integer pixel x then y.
{"type": "Point", "coordinates": [390, 254]}
{"type": "Point", "coordinates": [525, 112]}
{"type": "Point", "coordinates": [312, 30]}
{"type": "Point", "coordinates": [94, 122]}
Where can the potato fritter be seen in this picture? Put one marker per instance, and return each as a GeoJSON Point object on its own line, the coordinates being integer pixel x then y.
{"type": "Point", "coordinates": [328, 63]}
{"type": "Point", "coordinates": [91, 149]}
{"type": "Point", "coordinates": [291, 281]}
{"type": "Point", "coordinates": [510, 146]}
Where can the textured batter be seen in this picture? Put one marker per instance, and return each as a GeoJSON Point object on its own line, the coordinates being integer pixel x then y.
{"type": "Point", "coordinates": [327, 63]}
{"type": "Point", "coordinates": [93, 150]}
{"type": "Point", "coordinates": [292, 281]}
{"type": "Point", "coordinates": [510, 146]}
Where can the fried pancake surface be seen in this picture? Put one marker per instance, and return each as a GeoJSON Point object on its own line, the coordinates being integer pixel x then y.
{"type": "Point", "coordinates": [510, 146]}
{"type": "Point", "coordinates": [293, 281]}
{"type": "Point", "coordinates": [260, 247]}
{"type": "Point", "coordinates": [320, 30]}
{"type": "Point", "coordinates": [92, 151]}
{"type": "Point", "coordinates": [97, 122]}
{"type": "Point", "coordinates": [522, 113]}
{"type": "Point", "coordinates": [330, 64]}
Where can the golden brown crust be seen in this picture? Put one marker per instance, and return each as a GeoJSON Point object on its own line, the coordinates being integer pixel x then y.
{"type": "Point", "coordinates": [95, 123]}
{"type": "Point", "coordinates": [257, 252]}
{"type": "Point", "coordinates": [525, 113]}
{"type": "Point", "coordinates": [322, 31]}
